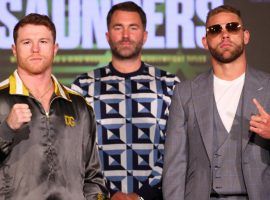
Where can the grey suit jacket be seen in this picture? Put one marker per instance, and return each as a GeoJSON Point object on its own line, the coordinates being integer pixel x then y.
{"type": "Point", "coordinates": [189, 142]}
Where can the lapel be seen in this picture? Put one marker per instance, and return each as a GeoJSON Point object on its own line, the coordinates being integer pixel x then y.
{"type": "Point", "coordinates": [255, 86]}
{"type": "Point", "coordinates": [203, 99]}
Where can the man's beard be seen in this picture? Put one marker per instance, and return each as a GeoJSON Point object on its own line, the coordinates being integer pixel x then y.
{"type": "Point", "coordinates": [121, 53]}
{"type": "Point", "coordinates": [235, 53]}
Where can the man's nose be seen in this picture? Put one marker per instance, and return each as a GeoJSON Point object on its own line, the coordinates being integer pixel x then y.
{"type": "Point", "coordinates": [225, 33]}
{"type": "Point", "coordinates": [35, 47]}
{"type": "Point", "coordinates": [125, 33]}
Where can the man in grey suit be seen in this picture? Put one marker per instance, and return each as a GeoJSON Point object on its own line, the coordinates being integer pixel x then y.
{"type": "Point", "coordinates": [217, 144]}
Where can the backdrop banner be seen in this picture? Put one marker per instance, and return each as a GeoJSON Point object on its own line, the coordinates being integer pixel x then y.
{"type": "Point", "coordinates": [175, 29]}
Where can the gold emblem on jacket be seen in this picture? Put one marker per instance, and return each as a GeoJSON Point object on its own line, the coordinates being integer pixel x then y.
{"type": "Point", "coordinates": [69, 120]}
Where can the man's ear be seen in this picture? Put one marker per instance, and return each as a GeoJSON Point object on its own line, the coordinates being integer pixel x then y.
{"type": "Point", "coordinates": [246, 37]}
{"type": "Point", "coordinates": [107, 36]}
{"type": "Point", "coordinates": [56, 47]}
{"type": "Point", "coordinates": [13, 47]}
{"type": "Point", "coordinates": [145, 35]}
{"type": "Point", "coordinates": [204, 42]}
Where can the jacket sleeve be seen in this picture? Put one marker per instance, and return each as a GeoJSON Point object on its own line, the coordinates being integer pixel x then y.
{"type": "Point", "coordinates": [94, 182]}
{"type": "Point", "coordinates": [176, 155]}
{"type": "Point", "coordinates": [6, 138]}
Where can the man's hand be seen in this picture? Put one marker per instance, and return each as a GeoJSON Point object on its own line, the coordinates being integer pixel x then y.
{"type": "Point", "coordinates": [260, 123]}
{"type": "Point", "coordinates": [124, 196]}
{"type": "Point", "coordinates": [120, 196]}
{"type": "Point", "coordinates": [19, 114]}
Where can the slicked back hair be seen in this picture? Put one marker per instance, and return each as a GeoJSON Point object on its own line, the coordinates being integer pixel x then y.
{"type": "Point", "coordinates": [128, 6]}
{"type": "Point", "coordinates": [223, 8]}
{"type": "Point", "coordinates": [34, 19]}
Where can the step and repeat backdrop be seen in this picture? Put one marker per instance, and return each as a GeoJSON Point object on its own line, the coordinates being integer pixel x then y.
{"type": "Point", "coordinates": [175, 29]}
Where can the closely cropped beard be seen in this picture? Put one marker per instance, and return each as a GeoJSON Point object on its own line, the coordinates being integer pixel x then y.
{"type": "Point", "coordinates": [234, 54]}
{"type": "Point", "coordinates": [122, 56]}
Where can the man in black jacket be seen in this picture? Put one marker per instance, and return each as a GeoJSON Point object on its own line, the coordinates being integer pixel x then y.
{"type": "Point", "coordinates": [47, 132]}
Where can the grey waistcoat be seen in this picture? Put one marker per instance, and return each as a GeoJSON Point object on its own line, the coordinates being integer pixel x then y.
{"type": "Point", "coordinates": [227, 174]}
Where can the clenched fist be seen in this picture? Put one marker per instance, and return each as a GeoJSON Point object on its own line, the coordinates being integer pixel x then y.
{"type": "Point", "coordinates": [19, 114]}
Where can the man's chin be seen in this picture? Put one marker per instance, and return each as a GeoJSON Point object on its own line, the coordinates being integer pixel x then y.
{"type": "Point", "coordinates": [126, 55]}
{"type": "Point", "coordinates": [227, 59]}
{"type": "Point", "coordinates": [37, 70]}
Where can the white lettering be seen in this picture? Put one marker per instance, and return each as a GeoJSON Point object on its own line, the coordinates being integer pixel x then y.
{"type": "Point", "coordinates": [68, 27]}
{"type": "Point", "coordinates": [94, 23]}
{"type": "Point", "coordinates": [37, 6]}
{"type": "Point", "coordinates": [138, 2]}
{"type": "Point", "coordinates": [9, 21]}
{"type": "Point", "coordinates": [82, 23]}
{"type": "Point", "coordinates": [176, 19]}
{"type": "Point", "coordinates": [154, 19]}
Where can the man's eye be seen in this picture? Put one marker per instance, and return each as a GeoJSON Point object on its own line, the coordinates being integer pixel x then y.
{"type": "Point", "coordinates": [44, 41]}
{"type": "Point", "coordinates": [26, 42]}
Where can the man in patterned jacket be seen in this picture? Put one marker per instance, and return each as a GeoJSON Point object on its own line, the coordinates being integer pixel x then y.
{"type": "Point", "coordinates": [47, 132]}
{"type": "Point", "coordinates": [131, 100]}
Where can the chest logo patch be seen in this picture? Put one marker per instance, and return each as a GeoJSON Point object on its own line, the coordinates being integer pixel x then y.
{"type": "Point", "coordinates": [69, 120]}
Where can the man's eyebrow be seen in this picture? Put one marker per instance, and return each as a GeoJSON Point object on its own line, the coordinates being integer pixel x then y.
{"type": "Point", "coordinates": [134, 25]}
{"type": "Point", "coordinates": [118, 24]}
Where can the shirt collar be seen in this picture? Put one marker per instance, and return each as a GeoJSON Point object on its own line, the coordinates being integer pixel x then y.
{"type": "Point", "coordinates": [18, 88]}
{"type": "Point", "coordinates": [140, 71]}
